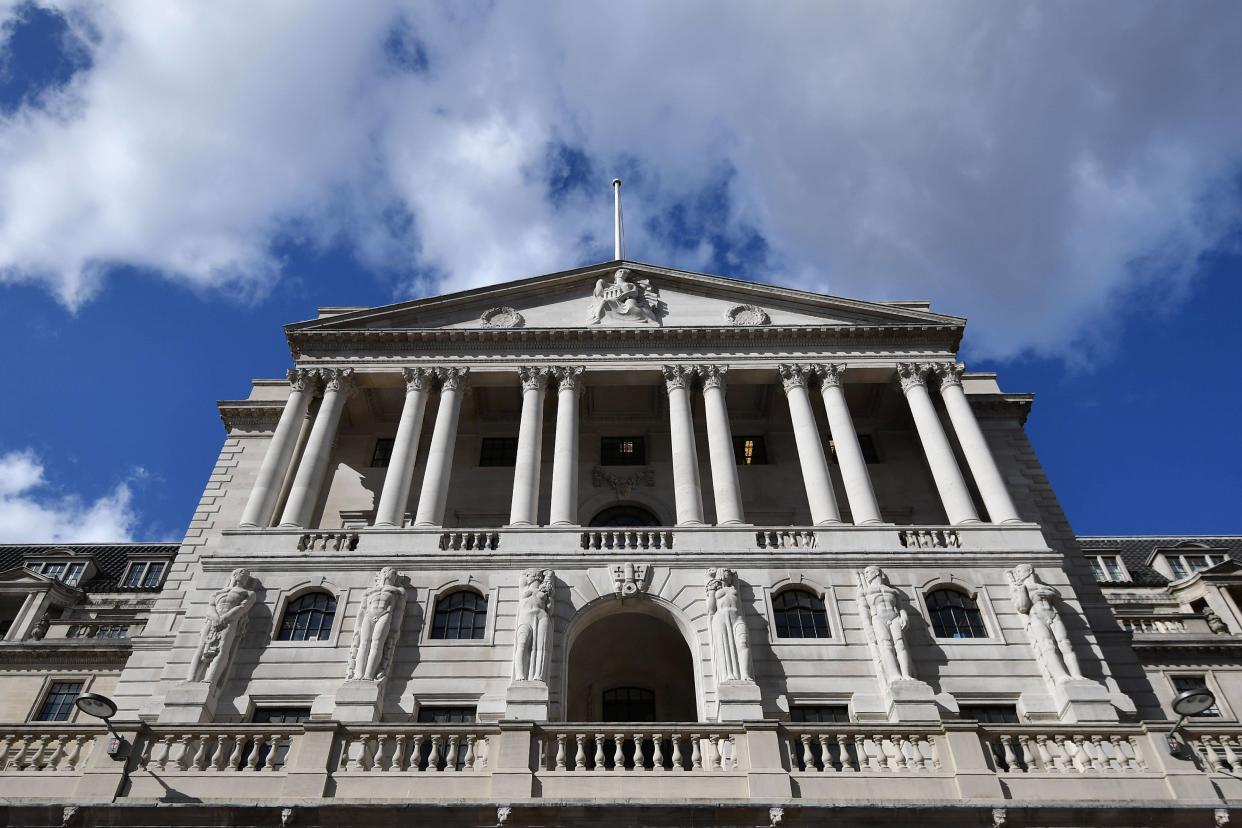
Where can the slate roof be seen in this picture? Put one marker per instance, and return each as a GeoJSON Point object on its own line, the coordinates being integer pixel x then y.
{"type": "Point", "coordinates": [111, 560]}
{"type": "Point", "coordinates": [1136, 550]}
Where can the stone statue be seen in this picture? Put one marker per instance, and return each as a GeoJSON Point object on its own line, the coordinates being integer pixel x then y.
{"type": "Point", "coordinates": [1036, 601]}
{"type": "Point", "coordinates": [887, 631]}
{"type": "Point", "coordinates": [730, 638]}
{"type": "Point", "coordinates": [624, 300]}
{"type": "Point", "coordinates": [226, 619]}
{"type": "Point", "coordinates": [41, 628]}
{"type": "Point", "coordinates": [1215, 623]}
{"type": "Point", "coordinates": [379, 626]}
{"type": "Point", "coordinates": [534, 618]}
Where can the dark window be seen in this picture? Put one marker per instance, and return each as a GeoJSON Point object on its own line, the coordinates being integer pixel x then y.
{"type": "Point", "coordinates": [382, 453]}
{"type": "Point", "coordinates": [441, 716]}
{"type": "Point", "coordinates": [819, 713]}
{"type": "Point", "coordinates": [280, 715]}
{"type": "Point", "coordinates": [625, 516]}
{"type": "Point", "coordinates": [865, 444]}
{"type": "Point", "coordinates": [308, 618]}
{"type": "Point", "coordinates": [59, 701]}
{"type": "Point", "coordinates": [750, 451]}
{"type": "Point", "coordinates": [460, 614]}
{"type": "Point", "coordinates": [1183, 683]}
{"type": "Point", "coordinates": [155, 574]}
{"type": "Point", "coordinates": [134, 576]}
{"type": "Point", "coordinates": [622, 451]}
{"type": "Point", "coordinates": [800, 614]}
{"type": "Point", "coordinates": [955, 615]}
{"type": "Point", "coordinates": [629, 704]}
{"type": "Point", "coordinates": [989, 713]}
{"type": "Point", "coordinates": [498, 451]}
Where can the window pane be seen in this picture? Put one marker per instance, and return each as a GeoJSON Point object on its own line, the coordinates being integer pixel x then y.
{"type": "Point", "coordinates": [53, 570]}
{"type": "Point", "coordinates": [1097, 567]}
{"type": "Point", "coordinates": [74, 573]}
{"type": "Point", "coordinates": [59, 702]}
{"type": "Point", "coordinates": [820, 713]}
{"type": "Point", "coordinates": [134, 576]}
{"type": "Point", "coordinates": [155, 571]}
{"type": "Point", "coordinates": [1115, 571]}
{"type": "Point", "coordinates": [750, 451]}
{"type": "Point", "coordinates": [1176, 567]}
{"type": "Point", "coordinates": [800, 614]}
{"type": "Point", "coordinates": [990, 713]}
{"type": "Point", "coordinates": [622, 451]}
{"type": "Point", "coordinates": [460, 615]}
{"type": "Point", "coordinates": [280, 715]}
{"type": "Point", "coordinates": [867, 443]}
{"type": "Point", "coordinates": [955, 615]}
{"type": "Point", "coordinates": [446, 715]}
{"type": "Point", "coordinates": [308, 618]}
{"type": "Point", "coordinates": [382, 453]}
{"type": "Point", "coordinates": [498, 451]}
{"type": "Point", "coordinates": [1196, 562]}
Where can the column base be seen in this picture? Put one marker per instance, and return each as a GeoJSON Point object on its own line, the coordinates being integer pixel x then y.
{"type": "Point", "coordinates": [527, 701]}
{"type": "Point", "coordinates": [691, 523]}
{"type": "Point", "coordinates": [738, 701]}
{"type": "Point", "coordinates": [358, 701]}
{"type": "Point", "coordinates": [831, 522]}
{"type": "Point", "coordinates": [290, 526]}
{"type": "Point", "coordinates": [968, 522]}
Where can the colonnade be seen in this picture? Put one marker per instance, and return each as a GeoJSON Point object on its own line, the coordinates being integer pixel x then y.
{"type": "Point", "coordinates": [797, 380]}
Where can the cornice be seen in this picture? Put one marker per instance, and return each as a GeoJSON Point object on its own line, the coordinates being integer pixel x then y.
{"type": "Point", "coordinates": [250, 416]}
{"type": "Point", "coordinates": [1002, 406]}
{"type": "Point", "coordinates": [113, 652]}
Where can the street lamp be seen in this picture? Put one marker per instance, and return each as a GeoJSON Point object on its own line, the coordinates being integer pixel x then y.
{"type": "Point", "coordinates": [1188, 703]}
{"type": "Point", "coordinates": [102, 707]}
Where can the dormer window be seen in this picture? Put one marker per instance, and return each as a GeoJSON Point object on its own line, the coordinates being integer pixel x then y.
{"type": "Point", "coordinates": [1108, 568]}
{"type": "Point", "coordinates": [144, 575]}
{"type": "Point", "coordinates": [67, 572]}
{"type": "Point", "coordinates": [1183, 564]}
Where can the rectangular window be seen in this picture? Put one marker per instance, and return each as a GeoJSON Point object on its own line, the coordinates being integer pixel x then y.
{"type": "Point", "coordinates": [498, 451]}
{"type": "Point", "coordinates": [1177, 567]}
{"type": "Point", "coordinates": [53, 570]}
{"type": "Point", "coordinates": [820, 713]}
{"type": "Point", "coordinates": [1196, 682]}
{"type": "Point", "coordinates": [989, 713]}
{"type": "Point", "coordinates": [58, 703]}
{"type": "Point", "coordinates": [74, 573]}
{"type": "Point", "coordinates": [865, 444]}
{"type": "Point", "coordinates": [144, 574]}
{"type": "Point", "coordinates": [280, 715]}
{"type": "Point", "coordinates": [750, 451]}
{"type": "Point", "coordinates": [622, 451]}
{"type": "Point", "coordinates": [133, 577]}
{"type": "Point", "coordinates": [446, 715]}
{"type": "Point", "coordinates": [382, 453]}
{"type": "Point", "coordinates": [442, 716]}
{"type": "Point", "coordinates": [155, 574]}
{"type": "Point", "coordinates": [1107, 568]}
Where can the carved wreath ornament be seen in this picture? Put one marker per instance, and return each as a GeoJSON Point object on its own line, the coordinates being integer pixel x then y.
{"type": "Point", "coordinates": [502, 318]}
{"type": "Point", "coordinates": [747, 316]}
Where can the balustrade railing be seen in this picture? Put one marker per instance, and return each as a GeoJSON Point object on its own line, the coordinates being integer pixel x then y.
{"type": "Point", "coordinates": [930, 538]}
{"type": "Point", "coordinates": [1030, 750]}
{"type": "Point", "coordinates": [627, 539]}
{"type": "Point", "coordinates": [469, 540]}
{"type": "Point", "coordinates": [241, 749]}
{"type": "Point", "coordinates": [45, 748]}
{"type": "Point", "coordinates": [619, 747]}
{"type": "Point", "coordinates": [1152, 624]}
{"type": "Point", "coordinates": [828, 749]}
{"type": "Point", "coordinates": [328, 542]}
{"type": "Point", "coordinates": [1220, 752]}
{"type": "Point", "coordinates": [785, 539]}
{"type": "Point", "coordinates": [417, 749]}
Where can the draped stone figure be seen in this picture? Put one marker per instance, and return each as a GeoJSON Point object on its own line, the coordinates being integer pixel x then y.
{"type": "Point", "coordinates": [225, 622]}
{"type": "Point", "coordinates": [887, 630]}
{"type": "Point", "coordinates": [379, 626]}
{"type": "Point", "coordinates": [534, 620]}
{"type": "Point", "coordinates": [624, 300]}
{"type": "Point", "coordinates": [1036, 601]}
{"type": "Point", "coordinates": [730, 638]}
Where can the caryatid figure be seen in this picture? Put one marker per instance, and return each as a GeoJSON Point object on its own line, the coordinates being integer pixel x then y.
{"type": "Point", "coordinates": [1037, 603]}
{"type": "Point", "coordinates": [226, 618]}
{"type": "Point", "coordinates": [379, 626]}
{"type": "Point", "coordinates": [534, 620]}
{"type": "Point", "coordinates": [730, 638]}
{"type": "Point", "coordinates": [888, 624]}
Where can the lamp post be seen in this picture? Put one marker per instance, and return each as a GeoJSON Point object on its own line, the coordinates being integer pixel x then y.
{"type": "Point", "coordinates": [1188, 703]}
{"type": "Point", "coordinates": [102, 707]}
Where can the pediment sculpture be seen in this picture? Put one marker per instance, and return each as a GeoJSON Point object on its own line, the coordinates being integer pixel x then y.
{"type": "Point", "coordinates": [625, 299]}
{"type": "Point", "coordinates": [1037, 603]}
{"type": "Point", "coordinates": [224, 625]}
{"type": "Point", "coordinates": [378, 628]}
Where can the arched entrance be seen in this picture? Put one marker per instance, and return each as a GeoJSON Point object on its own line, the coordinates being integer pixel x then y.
{"type": "Point", "coordinates": [630, 663]}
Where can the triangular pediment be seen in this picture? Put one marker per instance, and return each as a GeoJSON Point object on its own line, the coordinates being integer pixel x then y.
{"type": "Point", "coordinates": [22, 575]}
{"type": "Point", "coordinates": [641, 296]}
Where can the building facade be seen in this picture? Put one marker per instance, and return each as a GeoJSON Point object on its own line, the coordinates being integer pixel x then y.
{"type": "Point", "coordinates": [641, 546]}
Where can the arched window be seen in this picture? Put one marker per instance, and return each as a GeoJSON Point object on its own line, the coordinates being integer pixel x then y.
{"type": "Point", "coordinates": [460, 614]}
{"type": "Point", "coordinates": [954, 614]}
{"type": "Point", "coordinates": [308, 618]}
{"type": "Point", "coordinates": [625, 515]}
{"type": "Point", "coordinates": [800, 614]}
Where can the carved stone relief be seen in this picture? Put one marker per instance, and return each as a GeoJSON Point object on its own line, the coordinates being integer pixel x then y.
{"type": "Point", "coordinates": [730, 637]}
{"type": "Point", "coordinates": [622, 484]}
{"type": "Point", "coordinates": [747, 316]}
{"type": "Point", "coordinates": [623, 299]}
{"type": "Point", "coordinates": [534, 619]}
{"type": "Point", "coordinates": [886, 630]}
{"type": "Point", "coordinates": [224, 625]}
{"type": "Point", "coordinates": [378, 627]}
{"type": "Point", "coordinates": [1037, 602]}
{"type": "Point", "coordinates": [502, 317]}
{"type": "Point", "coordinates": [629, 579]}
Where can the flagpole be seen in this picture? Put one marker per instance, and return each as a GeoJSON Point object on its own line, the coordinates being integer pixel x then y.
{"type": "Point", "coordinates": [617, 231]}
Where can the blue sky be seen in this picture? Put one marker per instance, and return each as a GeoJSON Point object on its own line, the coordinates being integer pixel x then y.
{"type": "Point", "coordinates": [177, 185]}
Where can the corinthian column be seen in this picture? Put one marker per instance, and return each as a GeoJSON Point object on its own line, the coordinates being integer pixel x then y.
{"type": "Point", "coordinates": [949, 482]}
{"type": "Point", "coordinates": [850, 459]}
{"type": "Point", "coordinates": [391, 511]}
{"type": "Point", "coordinates": [338, 386]}
{"type": "Point", "coordinates": [525, 508]}
{"type": "Point", "coordinates": [819, 493]}
{"type": "Point", "coordinates": [686, 487]}
{"type": "Point", "coordinates": [262, 503]}
{"type": "Point", "coordinates": [975, 446]}
{"type": "Point", "coordinates": [720, 447]}
{"type": "Point", "coordinates": [565, 452]}
{"type": "Point", "coordinates": [434, 493]}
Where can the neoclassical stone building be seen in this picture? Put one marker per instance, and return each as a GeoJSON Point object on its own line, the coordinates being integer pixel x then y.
{"type": "Point", "coordinates": [641, 546]}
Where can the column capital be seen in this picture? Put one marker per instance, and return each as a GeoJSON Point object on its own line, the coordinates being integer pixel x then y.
{"type": "Point", "coordinates": [795, 376]}
{"type": "Point", "coordinates": [950, 373]}
{"type": "Point", "coordinates": [340, 380]}
{"type": "Point", "coordinates": [453, 379]}
{"type": "Point", "coordinates": [534, 378]}
{"type": "Point", "coordinates": [303, 379]}
{"type": "Point", "coordinates": [830, 374]}
{"type": "Point", "coordinates": [713, 375]}
{"type": "Point", "coordinates": [678, 376]}
{"type": "Point", "coordinates": [567, 376]}
{"type": "Point", "coordinates": [910, 374]}
{"type": "Point", "coordinates": [417, 379]}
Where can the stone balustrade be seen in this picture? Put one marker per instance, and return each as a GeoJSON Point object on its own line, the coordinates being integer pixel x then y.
{"type": "Point", "coordinates": [616, 746]}
{"type": "Point", "coordinates": [469, 540]}
{"type": "Point", "coordinates": [239, 749]}
{"type": "Point", "coordinates": [785, 539]}
{"type": "Point", "coordinates": [1029, 750]}
{"type": "Point", "coordinates": [627, 539]}
{"type": "Point", "coordinates": [328, 541]}
{"type": "Point", "coordinates": [1218, 749]}
{"type": "Point", "coordinates": [1153, 624]}
{"type": "Point", "coordinates": [847, 749]}
{"type": "Point", "coordinates": [417, 749]}
{"type": "Point", "coordinates": [930, 538]}
{"type": "Point", "coordinates": [45, 748]}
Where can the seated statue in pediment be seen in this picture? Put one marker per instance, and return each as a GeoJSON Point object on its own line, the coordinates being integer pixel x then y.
{"type": "Point", "coordinates": [623, 300]}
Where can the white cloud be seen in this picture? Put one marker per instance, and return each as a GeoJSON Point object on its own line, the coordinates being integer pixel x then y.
{"type": "Point", "coordinates": [31, 513]}
{"type": "Point", "coordinates": [1026, 165]}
